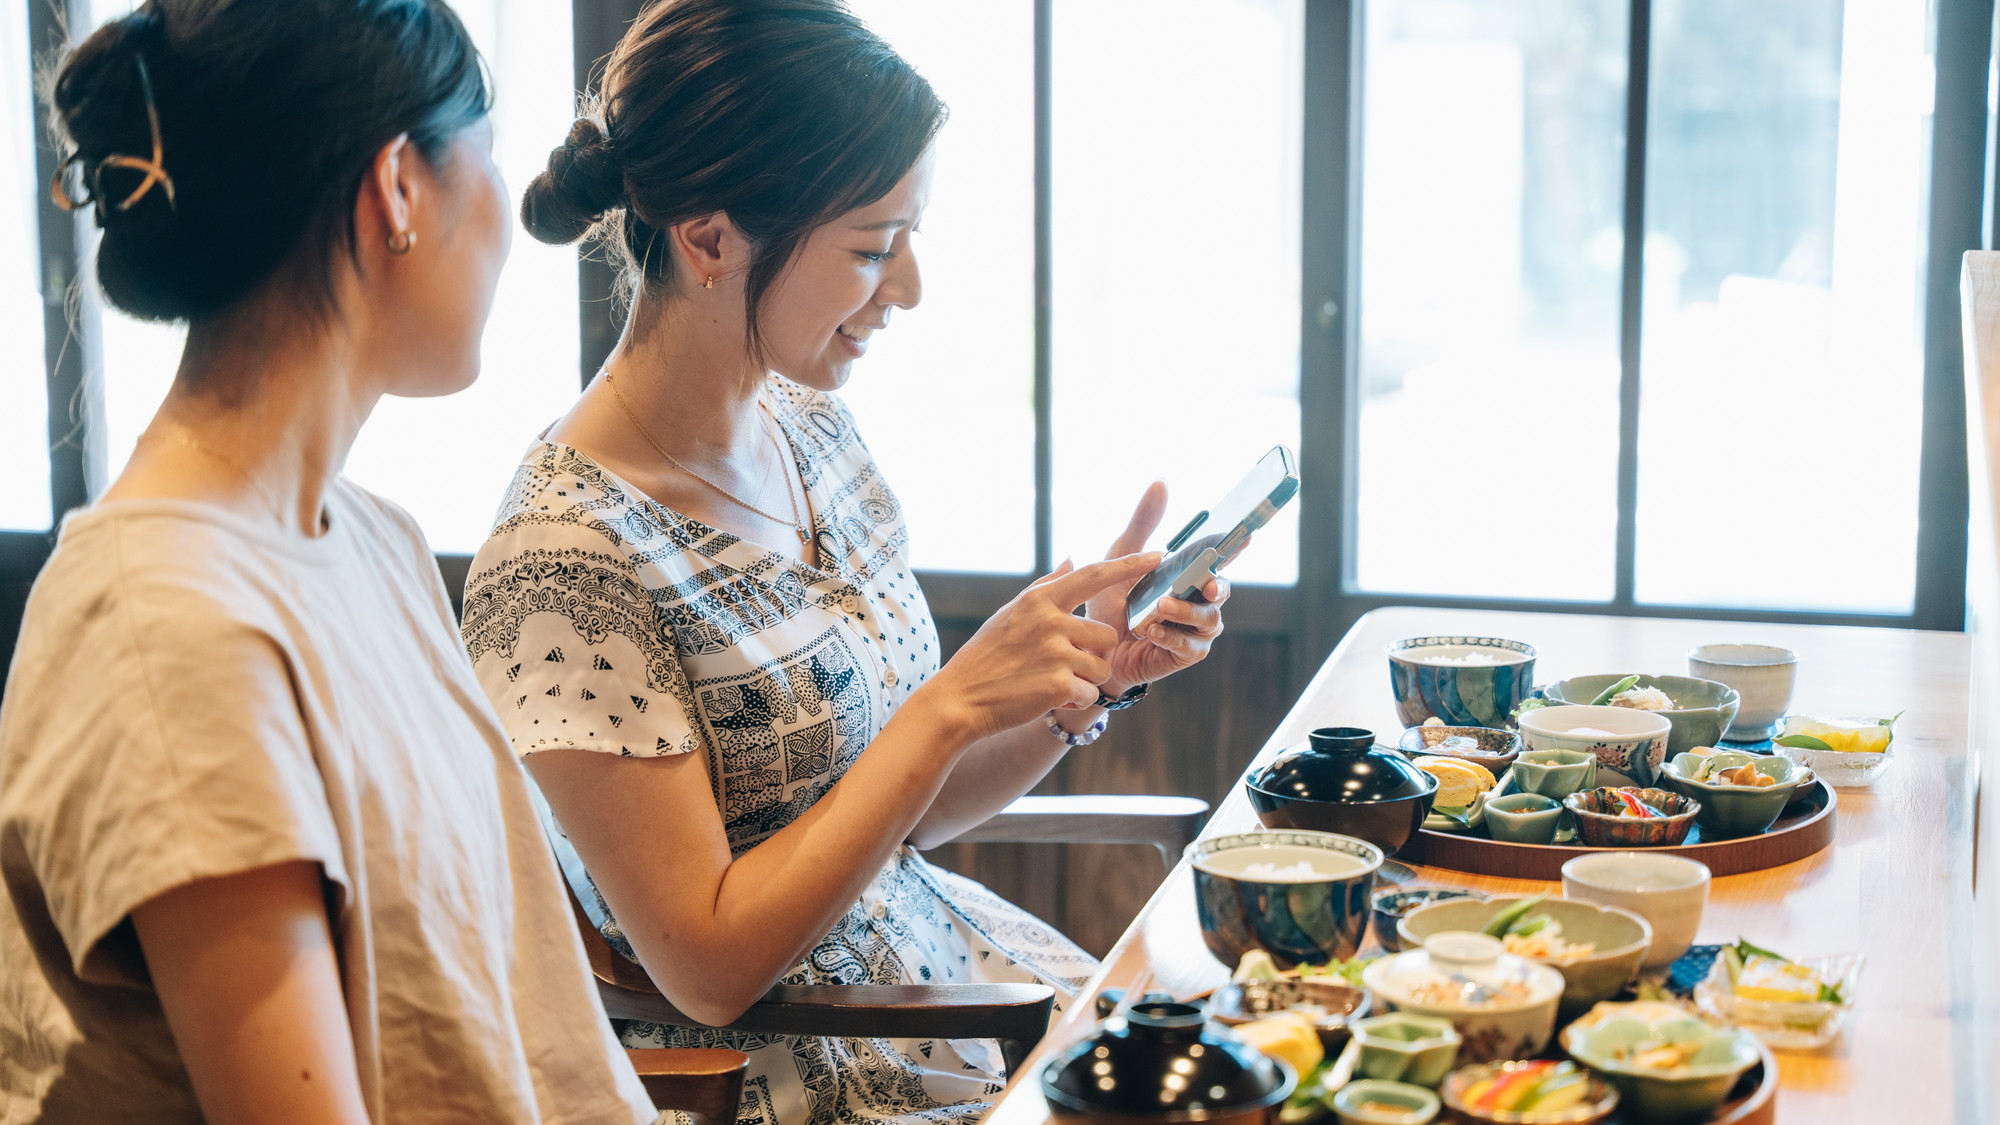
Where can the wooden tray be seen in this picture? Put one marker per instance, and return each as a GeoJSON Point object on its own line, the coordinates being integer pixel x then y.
{"type": "Point", "coordinates": [1804, 829]}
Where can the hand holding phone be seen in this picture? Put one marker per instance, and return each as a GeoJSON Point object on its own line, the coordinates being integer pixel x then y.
{"type": "Point", "coordinates": [1214, 537]}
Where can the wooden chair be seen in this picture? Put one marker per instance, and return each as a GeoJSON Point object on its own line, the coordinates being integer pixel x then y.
{"type": "Point", "coordinates": [708, 1084]}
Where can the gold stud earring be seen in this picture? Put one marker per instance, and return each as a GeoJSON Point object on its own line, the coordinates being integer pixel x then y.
{"type": "Point", "coordinates": [711, 283]}
{"type": "Point", "coordinates": [401, 241]}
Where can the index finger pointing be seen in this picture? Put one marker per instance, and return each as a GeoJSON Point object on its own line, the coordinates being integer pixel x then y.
{"type": "Point", "coordinates": [1086, 582]}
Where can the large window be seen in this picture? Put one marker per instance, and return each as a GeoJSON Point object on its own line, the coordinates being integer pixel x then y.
{"type": "Point", "coordinates": [447, 460]}
{"type": "Point", "coordinates": [1767, 279]}
{"type": "Point", "coordinates": [1632, 306]}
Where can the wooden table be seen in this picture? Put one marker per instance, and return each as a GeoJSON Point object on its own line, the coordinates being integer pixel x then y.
{"type": "Point", "coordinates": [1895, 885]}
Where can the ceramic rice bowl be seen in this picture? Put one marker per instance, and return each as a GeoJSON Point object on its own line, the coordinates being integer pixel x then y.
{"type": "Point", "coordinates": [1620, 936]}
{"type": "Point", "coordinates": [1703, 708]}
{"type": "Point", "coordinates": [1463, 695]}
{"type": "Point", "coordinates": [1296, 921]}
{"type": "Point", "coordinates": [1629, 744]}
{"type": "Point", "coordinates": [1599, 825]}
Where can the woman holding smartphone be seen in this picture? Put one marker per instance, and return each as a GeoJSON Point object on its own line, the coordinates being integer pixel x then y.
{"type": "Point", "coordinates": [695, 613]}
{"type": "Point", "coordinates": [268, 855]}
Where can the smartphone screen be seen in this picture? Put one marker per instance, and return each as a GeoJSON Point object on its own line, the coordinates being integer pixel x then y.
{"type": "Point", "coordinates": [1210, 540]}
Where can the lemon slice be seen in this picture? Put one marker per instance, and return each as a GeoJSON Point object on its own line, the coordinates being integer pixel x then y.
{"type": "Point", "coordinates": [1866, 735]}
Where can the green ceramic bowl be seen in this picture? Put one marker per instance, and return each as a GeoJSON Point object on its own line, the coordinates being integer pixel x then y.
{"type": "Point", "coordinates": [1372, 1101]}
{"type": "Point", "coordinates": [1554, 773]}
{"type": "Point", "coordinates": [1688, 1093]}
{"type": "Point", "coordinates": [1405, 1047]}
{"type": "Point", "coordinates": [1621, 938]}
{"type": "Point", "coordinates": [1730, 811]}
{"type": "Point", "coordinates": [1704, 708]}
{"type": "Point", "coordinates": [1523, 818]}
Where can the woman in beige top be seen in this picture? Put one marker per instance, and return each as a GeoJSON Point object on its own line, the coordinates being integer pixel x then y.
{"type": "Point", "coordinates": [267, 854]}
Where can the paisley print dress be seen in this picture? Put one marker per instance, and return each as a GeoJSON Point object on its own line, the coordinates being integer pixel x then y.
{"type": "Point", "coordinates": [599, 620]}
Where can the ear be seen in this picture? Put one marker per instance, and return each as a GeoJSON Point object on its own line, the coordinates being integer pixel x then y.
{"type": "Point", "coordinates": [708, 246]}
{"type": "Point", "coordinates": [389, 194]}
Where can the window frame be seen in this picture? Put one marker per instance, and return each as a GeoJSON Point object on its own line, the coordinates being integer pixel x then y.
{"type": "Point", "coordinates": [1319, 608]}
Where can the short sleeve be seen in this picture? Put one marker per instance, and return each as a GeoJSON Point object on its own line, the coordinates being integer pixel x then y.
{"type": "Point", "coordinates": [567, 643]}
{"type": "Point", "coordinates": [153, 738]}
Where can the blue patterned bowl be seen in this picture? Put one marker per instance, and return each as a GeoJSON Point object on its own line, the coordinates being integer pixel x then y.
{"type": "Point", "coordinates": [1428, 680]}
{"type": "Point", "coordinates": [1250, 893]}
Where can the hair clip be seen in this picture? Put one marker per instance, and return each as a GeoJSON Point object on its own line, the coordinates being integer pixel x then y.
{"type": "Point", "coordinates": [93, 180]}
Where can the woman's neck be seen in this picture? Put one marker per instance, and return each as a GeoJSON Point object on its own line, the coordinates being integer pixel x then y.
{"type": "Point", "coordinates": [259, 419]}
{"type": "Point", "coordinates": [690, 378]}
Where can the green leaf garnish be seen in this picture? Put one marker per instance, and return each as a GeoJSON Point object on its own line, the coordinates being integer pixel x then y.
{"type": "Point", "coordinates": [1610, 693]}
{"type": "Point", "coordinates": [1459, 813]}
{"type": "Point", "coordinates": [1803, 742]}
{"type": "Point", "coordinates": [1746, 950]}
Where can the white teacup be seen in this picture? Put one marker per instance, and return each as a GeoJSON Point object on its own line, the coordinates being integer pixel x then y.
{"type": "Point", "coordinates": [1761, 674]}
{"type": "Point", "coordinates": [1668, 891]}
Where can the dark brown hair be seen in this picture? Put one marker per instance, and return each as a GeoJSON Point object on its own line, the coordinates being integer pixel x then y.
{"type": "Point", "coordinates": [270, 114]}
{"type": "Point", "coordinates": [783, 114]}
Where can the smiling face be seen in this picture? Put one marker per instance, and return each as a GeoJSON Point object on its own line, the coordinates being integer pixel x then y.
{"type": "Point", "coordinates": [842, 283]}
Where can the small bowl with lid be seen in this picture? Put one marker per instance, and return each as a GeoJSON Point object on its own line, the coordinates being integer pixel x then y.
{"type": "Point", "coordinates": [1503, 1006]}
{"type": "Point", "coordinates": [1341, 782]}
{"type": "Point", "coordinates": [1162, 1061]}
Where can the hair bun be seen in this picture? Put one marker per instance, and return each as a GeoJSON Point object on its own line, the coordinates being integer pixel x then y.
{"type": "Point", "coordinates": [583, 180]}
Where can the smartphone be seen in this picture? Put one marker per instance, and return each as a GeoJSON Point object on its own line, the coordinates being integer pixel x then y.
{"type": "Point", "coordinates": [1211, 539]}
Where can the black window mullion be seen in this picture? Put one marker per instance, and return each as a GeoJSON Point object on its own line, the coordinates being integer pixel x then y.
{"type": "Point", "coordinates": [1958, 175]}
{"type": "Point", "coordinates": [595, 27]}
{"type": "Point", "coordinates": [1329, 327]}
{"type": "Point", "coordinates": [70, 420]}
{"type": "Point", "coordinates": [1044, 373]}
{"type": "Point", "coordinates": [1638, 66]}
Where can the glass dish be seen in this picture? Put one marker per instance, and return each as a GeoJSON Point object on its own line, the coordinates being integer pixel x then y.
{"type": "Point", "coordinates": [1802, 1026]}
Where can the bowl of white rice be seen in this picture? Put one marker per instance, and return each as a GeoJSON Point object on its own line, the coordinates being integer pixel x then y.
{"type": "Point", "coordinates": [1302, 897]}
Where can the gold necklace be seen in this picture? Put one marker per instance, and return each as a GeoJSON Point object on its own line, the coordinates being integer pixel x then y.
{"type": "Point", "coordinates": [797, 525]}
{"type": "Point", "coordinates": [187, 439]}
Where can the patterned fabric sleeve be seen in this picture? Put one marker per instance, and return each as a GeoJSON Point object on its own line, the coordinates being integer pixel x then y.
{"type": "Point", "coordinates": [569, 645]}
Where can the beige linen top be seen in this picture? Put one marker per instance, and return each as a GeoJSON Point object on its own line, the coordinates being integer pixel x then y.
{"type": "Point", "coordinates": [194, 696]}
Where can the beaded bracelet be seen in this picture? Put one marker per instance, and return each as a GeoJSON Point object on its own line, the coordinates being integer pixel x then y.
{"type": "Point", "coordinates": [1074, 739]}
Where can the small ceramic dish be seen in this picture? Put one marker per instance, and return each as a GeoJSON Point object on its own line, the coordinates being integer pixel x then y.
{"type": "Point", "coordinates": [1405, 1047]}
{"type": "Point", "coordinates": [1715, 1058]}
{"type": "Point", "coordinates": [1843, 769]}
{"type": "Point", "coordinates": [1494, 749]}
{"type": "Point", "coordinates": [1523, 818]}
{"type": "Point", "coordinates": [1618, 940]}
{"type": "Point", "coordinates": [1599, 1099]}
{"type": "Point", "coordinates": [1702, 711]}
{"type": "Point", "coordinates": [1391, 904]}
{"type": "Point", "coordinates": [1729, 811]}
{"type": "Point", "coordinates": [1626, 742]}
{"type": "Point", "coordinates": [1599, 825]}
{"type": "Point", "coordinates": [1372, 1101]}
{"type": "Point", "coordinates": [1800, 1026]}
{"type": "Point", "coordinates": [1333, 1006]}
{"type": "Point", "coordinates": [1553, 773]}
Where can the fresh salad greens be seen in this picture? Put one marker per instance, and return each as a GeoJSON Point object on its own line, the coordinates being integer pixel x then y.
{"type": "Point", "coordinates": [1346, 972]}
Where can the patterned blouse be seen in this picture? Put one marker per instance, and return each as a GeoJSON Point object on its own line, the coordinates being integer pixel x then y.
{"type": "Point", "coordinates": [600, 620]}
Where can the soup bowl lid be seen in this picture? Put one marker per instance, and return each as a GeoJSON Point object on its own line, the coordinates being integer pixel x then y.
{"type": "Point", "coordinates": [1343, 764]}
{"type": "Point", "coordinates": [1163, 1059]}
